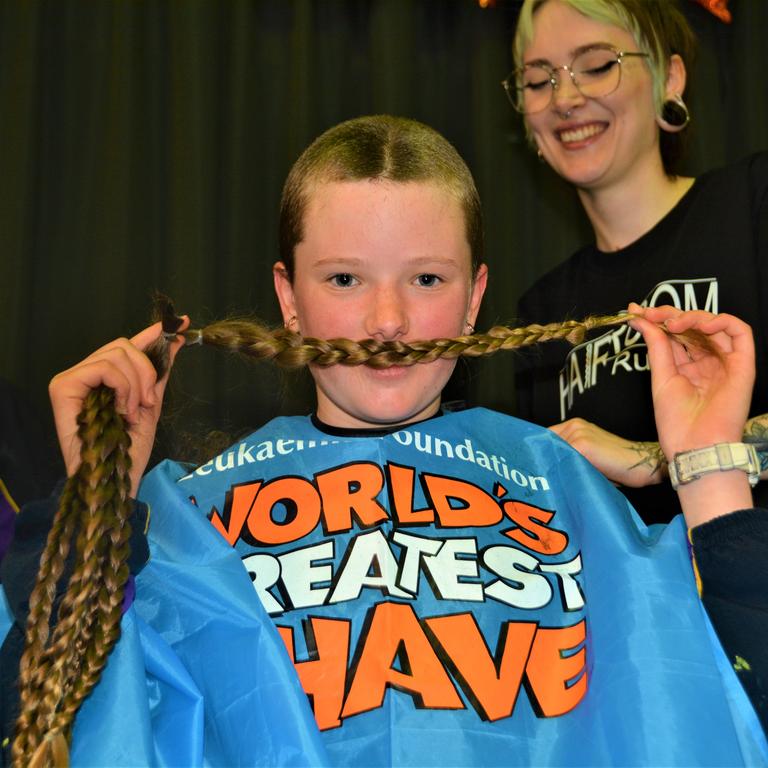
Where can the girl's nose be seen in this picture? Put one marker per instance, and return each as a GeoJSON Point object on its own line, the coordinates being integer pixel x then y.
{"type": "Point", "coordinates": [386, 317]}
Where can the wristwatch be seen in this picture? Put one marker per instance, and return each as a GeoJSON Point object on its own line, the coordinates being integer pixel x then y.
{"type": "Point", "coordinates": [691, 465]}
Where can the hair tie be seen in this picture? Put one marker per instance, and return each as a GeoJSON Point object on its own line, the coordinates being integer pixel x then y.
{"type": "Point", "coordinates": [165, 310]}
{"type": "Point", "coordinates": [193, 336]}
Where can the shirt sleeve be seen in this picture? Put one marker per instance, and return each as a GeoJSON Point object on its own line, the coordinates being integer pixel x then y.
{"type": "Point", "coordinates": [731, 558]}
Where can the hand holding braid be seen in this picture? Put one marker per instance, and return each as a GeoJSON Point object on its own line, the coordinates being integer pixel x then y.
{"type": "Point", "coordinates": [61, 664]}
{"type": "Point", "coordinates": [123, 366]}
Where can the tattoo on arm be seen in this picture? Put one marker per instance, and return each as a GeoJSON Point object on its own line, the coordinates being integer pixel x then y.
{"type": "Point", "coordinates": [649, 455]}
{"type": "Point", "coordinates": [756, 433]}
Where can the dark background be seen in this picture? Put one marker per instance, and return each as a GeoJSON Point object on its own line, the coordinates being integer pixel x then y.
{"type": "Point", "coordinates": [143, 146]}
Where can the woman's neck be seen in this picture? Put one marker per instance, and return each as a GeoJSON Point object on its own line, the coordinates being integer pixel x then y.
{"type": "Point", "coordinates": [623, 212]}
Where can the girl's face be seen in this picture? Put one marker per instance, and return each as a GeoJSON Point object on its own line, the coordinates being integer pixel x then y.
{"type": "Point", "coordinates": [381, 260]}
{"type": "Point", "coordinates": [592, 142]}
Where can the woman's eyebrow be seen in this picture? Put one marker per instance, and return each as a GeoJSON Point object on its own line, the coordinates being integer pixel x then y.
{"type": "Point", "coordinates": [572, 53]}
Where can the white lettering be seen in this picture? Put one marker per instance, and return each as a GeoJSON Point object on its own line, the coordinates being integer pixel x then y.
{"type": "Point", "coordinates": [532, 590]}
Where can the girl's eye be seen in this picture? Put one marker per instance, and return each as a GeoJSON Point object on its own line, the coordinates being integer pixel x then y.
{"type": "Point", "coordinates": [427, 280]}
{"type": "Point", "coordinates": [342, 280]}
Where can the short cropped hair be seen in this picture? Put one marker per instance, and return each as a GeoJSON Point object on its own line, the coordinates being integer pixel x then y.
{"type": "Point", "coordinates": [378, 147]}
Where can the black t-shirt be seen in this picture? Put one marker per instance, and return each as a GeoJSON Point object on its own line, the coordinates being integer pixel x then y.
{"type": "Point", "coordinates": [710, 252]}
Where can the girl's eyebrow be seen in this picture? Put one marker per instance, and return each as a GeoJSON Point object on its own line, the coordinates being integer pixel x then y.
{"type": "Point", "coordinates": [354, 261]}
{"type": "Point", "coordinates": [443, 260]}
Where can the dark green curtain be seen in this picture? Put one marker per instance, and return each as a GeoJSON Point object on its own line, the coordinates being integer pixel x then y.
{"type": "Point", "coordinates": [143, 146]}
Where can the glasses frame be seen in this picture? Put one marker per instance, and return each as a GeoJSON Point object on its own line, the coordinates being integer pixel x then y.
{"type": "Point", "coordinates": [515, 92]}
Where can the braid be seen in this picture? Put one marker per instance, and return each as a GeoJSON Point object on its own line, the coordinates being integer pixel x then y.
{"type": "Point", "coordinates": [59, 668]}
{"type": "Point", "coordinates": [288, 349]}
{"type": "Point", "coordinates": [291, 350]}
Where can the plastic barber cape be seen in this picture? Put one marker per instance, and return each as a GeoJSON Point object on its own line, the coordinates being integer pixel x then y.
{"type": "Point", "coordinates": [466, 591]}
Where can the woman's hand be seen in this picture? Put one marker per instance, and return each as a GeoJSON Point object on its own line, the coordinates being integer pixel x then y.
{"type": "Point", "coordinates": [700, 397]}
{"type": "Point", "coordinates": [122, 366]}
{"type": "Point", "coordinates": [630, 463]}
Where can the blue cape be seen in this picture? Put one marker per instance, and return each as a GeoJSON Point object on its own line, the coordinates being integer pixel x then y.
{"type": "Point", "coordinates": [467, 591]}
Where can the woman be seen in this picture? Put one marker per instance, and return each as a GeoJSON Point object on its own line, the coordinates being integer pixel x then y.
{"type": "Point", "coordinates": [393, 545]}
{"type": "Point", "coordinates": [600, 84]}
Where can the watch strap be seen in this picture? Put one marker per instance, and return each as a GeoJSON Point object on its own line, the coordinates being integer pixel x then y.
{"type": "Point", "coordinates": [691, 465]}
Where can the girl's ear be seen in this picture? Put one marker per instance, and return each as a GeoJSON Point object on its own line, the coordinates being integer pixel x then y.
{"type": "Point", "coordinates": [676, 77]}
{"type": "Point", "coordinates": [476, 294]}
{"type": "Point", "coordinates": [284, 291]}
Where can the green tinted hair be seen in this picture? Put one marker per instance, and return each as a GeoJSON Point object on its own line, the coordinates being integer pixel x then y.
{"type": "Point", "coordinates": [660, 30]}
{"type": "Point", "coordinates": [378, 147]}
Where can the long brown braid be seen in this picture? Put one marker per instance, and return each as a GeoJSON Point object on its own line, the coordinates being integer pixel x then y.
{"type": "Point", "coordinates": [59, 667]}
{"type": "Point", "coordinates": [292, 350]}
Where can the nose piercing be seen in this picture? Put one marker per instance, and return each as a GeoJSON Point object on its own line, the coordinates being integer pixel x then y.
{"type": "Point", "coordinates": [565, 115]}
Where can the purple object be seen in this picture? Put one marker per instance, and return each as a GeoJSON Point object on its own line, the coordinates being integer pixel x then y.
{"type": "Point", "coordinates": [7, 520]}
{"type": "Point", "coordinates": [129, 594]}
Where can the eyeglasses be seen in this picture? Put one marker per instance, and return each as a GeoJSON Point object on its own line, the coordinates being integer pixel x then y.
{"type": "Point", "coordinates": [595, 71]}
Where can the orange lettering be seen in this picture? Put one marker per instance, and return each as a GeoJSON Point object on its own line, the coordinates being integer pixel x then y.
{"type": "Point", "coordinates": [539, 538]}
{"type": "Point", "coordinates": [302, 507]}
{"type": "Point", "coordinates": [395, 634]}
{"type": "Point", "coordinates": [401, 493]}
{"type": "Point", "coordinates": [348, 490]}
{"type": "Point", "coordinates": [491, 685]}
{"type": "Point", "coordinates": [323, 677]}
{"type": "Point", "coordinates": [477, 507]}
{"type": "Point", "coordinates": [549, 671]}
{"type": "Point", "coordinates": [236, 508]}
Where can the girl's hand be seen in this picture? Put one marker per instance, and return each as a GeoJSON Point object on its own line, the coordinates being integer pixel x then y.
{"type": "Point", "coordinates": [122, 366]}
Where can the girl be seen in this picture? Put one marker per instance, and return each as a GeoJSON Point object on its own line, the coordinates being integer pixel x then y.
{"type": "Point", "coordinates": [451, 588]}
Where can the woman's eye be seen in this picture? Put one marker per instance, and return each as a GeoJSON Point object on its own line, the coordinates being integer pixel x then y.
{"type": "Point", "coordinates": [427, 280]}
{"type": "Point", "coordinates": [343, 280]}
{"type": "Point", "coordinates": [538, 85]}
{"type": "Point", "coordinates": [600, 69]}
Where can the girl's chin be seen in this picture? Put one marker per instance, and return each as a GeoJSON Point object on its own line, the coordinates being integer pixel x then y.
{"type": "Point", "coordinates": [396, 414]}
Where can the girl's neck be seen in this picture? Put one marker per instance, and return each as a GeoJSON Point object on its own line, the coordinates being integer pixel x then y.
{"type": "Point", "coordinates": [624, 211]}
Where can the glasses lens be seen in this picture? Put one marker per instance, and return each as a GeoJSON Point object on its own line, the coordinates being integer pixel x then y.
{"type": "Point", "coordinates": [534, 86]}
{"type": "Point", "coordinates": [597, 71]}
